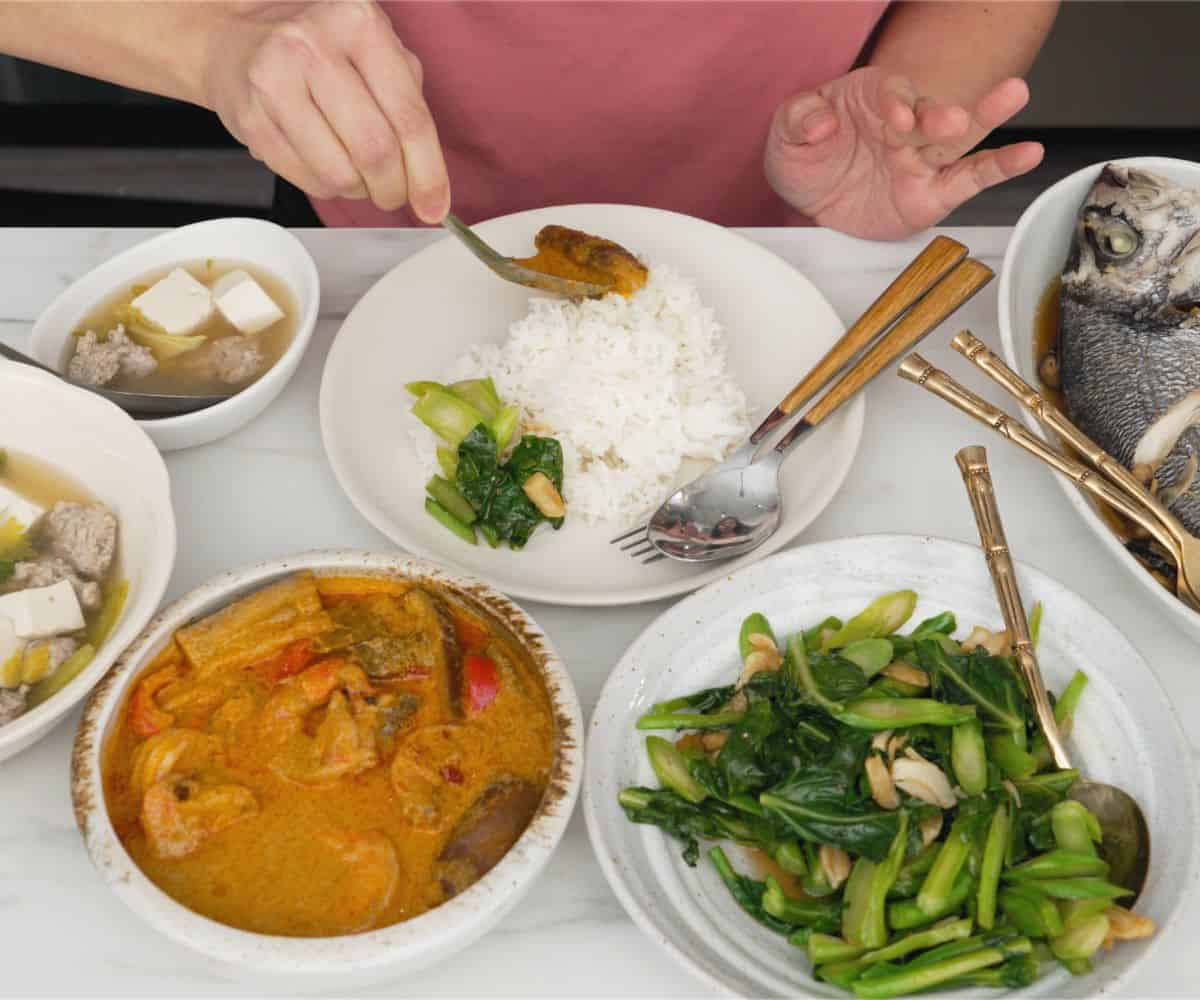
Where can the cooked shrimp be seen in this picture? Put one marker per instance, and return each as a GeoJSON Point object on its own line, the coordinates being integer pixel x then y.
{"type": "Point", "coordinates": [179, 811]}
{"type": "Point", "coordinates": [168, 751]}
{"type": "Point", "coordinates": [370, 877]}
{"type": "Point", "coordinates": [179, 814]}
{"type": "Point", "coordinates": [344, 742]}
{"type": "Point", "coordinates": [434, 773]}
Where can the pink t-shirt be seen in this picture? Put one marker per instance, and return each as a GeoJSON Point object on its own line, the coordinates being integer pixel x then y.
{"type": "Point", "coordinates": [664, 104]}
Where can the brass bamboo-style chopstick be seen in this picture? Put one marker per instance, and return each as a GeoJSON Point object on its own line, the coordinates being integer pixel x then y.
{"type": "Point", "coordinates": [1150, 515]}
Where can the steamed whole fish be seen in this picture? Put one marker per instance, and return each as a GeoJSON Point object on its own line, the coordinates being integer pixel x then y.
{"type": "Point", "coordinates": [1129, 342]}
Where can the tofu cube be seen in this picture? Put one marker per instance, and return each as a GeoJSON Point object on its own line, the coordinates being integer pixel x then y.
{"type": "Point", "coordinates": [178, 303]}
{"type": "Point", "coordinates": [12, 653]}
{"type": "Point", "coordinates": [15, 506]}
{"type": "Point", "coordinates": [42, 612]}
{"type": "Point", "coordinates": [227, 281]}
{"type": "Point", "coordinates": [245, 305]}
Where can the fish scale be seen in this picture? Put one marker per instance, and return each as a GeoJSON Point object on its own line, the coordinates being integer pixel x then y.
{"type": "Point", "coordinates": [1129, 346]}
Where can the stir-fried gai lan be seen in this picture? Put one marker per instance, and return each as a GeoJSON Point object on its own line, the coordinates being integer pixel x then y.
{"type": "Point", "coordinates": [919, 833]}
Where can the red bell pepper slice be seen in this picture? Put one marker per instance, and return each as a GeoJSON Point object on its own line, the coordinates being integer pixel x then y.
{"type": "Point", "coordinates": [483, 681]}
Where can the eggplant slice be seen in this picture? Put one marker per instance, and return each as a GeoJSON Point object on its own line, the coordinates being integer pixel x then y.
{"type": "Point", "coordinates": [486, 833]}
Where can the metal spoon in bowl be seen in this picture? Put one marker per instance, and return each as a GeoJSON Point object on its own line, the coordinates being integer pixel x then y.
{"type": "Point", "coordinates": [508, 269]}
{"type": "Point", "coordinates": [139, 405]}
{"type": "Point", "coordinates": [1126, 840]}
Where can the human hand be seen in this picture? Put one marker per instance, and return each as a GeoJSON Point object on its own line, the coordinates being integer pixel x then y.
{"type": "Point", "coordinates": [867, 155]}
{"type": "Point", "coordinates": [326, 96]}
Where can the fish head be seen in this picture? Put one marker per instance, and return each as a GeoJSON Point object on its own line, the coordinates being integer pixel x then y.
{"type": "Point", "coordinates": [1136, 246]}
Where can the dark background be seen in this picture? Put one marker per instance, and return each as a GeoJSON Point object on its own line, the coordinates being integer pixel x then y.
{"type": "Point", "coordinates": [1115, 79]}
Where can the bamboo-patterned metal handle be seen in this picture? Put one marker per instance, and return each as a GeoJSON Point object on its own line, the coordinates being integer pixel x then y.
{"type": "Point", "coordinates": [972, 462]}
{"type": "Point", "coordinates": [963, 282]}
{"type": "Point", "coordinates": [916, 369]}
{"type": "Point", "coordinates": [975, 351]}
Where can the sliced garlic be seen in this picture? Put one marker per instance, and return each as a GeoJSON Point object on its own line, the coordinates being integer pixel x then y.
{"type": "Point", "coordinates": [883, 789]}
{"type": "Point", "coordinates": [835, 863]}
{"type": "Point", "coordinates": [930, 827]}
{"type": "Point", "coordinates": [1013, 793]}
{"type": "Point", "coordinates": [1124, 925]}
{"type": "Point", "coordinates": [760, 640]}
{"type": "Point", "coordinates": [923, 780]}
{"type": "Point", "coordinates": [880, 740]}
{"type": "Point", "coordinates": [757, 662]}
{"type": "Point", "coordinates": [713, 740]}
{"type": "Point", "coordinates": [996, 643]}
{"type": "Point", "coordinates": [906, 673]}
{"type": "Point", "coordinates": [896, 744]}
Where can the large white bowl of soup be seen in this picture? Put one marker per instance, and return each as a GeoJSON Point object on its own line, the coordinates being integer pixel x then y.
{"type": "Point", "coordinates": [224, 307]}
{"type": "Point", "coordinates": [87, 545]}
{"type": "Point", "coordinates": [329, 765]}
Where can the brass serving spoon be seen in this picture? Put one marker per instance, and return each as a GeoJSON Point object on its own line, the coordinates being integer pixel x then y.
{"type": "Point", "coordinates": [508, 269]}
{"type": "Point", "coordinates": [139, 405]}
{"type": "Point", "coordinates": [1126, 837]}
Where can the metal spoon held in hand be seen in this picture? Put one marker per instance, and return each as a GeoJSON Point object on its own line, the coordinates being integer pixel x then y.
{"type": "Point", "coordinates": [1126, 843]}
{"type": "Point", "coordinates": [510, 270]}
{"type": "Point", "coordinates": [140, 405]}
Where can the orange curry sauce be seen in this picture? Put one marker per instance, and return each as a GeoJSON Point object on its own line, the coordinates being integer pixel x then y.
{"type": "Point", "coordinates": [329, 755]}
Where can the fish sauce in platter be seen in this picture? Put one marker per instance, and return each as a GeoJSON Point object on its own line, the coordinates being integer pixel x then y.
{"type": "Point", "coordinates": [1046, 330]}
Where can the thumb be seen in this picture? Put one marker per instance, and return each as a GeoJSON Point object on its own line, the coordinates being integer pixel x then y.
{"type": "Point", "coordinates": [804, 120]}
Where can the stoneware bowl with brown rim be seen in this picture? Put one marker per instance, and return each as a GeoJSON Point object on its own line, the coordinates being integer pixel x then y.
{"type": "Point", "coordinates": [421, 941]}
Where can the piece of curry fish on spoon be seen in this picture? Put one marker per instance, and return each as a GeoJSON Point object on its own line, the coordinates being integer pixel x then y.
{"type": "Point", "coordinates": [1129, 343]}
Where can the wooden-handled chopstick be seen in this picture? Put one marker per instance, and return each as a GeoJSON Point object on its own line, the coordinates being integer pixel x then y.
{"type": "Point", "coordinates": [961, 284]}
{"type": "Point", "coordinates": [929, 267]}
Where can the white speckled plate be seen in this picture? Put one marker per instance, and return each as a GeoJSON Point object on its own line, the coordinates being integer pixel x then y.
{"type": "Point", "coordinates": [1125, 733]}
{"type": "Point", "coordinates": [420, 317]}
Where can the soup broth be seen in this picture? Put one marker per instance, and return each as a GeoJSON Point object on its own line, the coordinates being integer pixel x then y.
{"type": "Point", "coordinates": [189, 373]}
{"type": "Point", "coordinates": [329, 756]}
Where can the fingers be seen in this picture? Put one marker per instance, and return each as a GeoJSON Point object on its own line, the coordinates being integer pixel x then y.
{"type": "Point", "coordinates": [267, 143]}
{"type": "Point", "coordinates": [1000, 103]}
{"type": "Point", "coordinates": [897, 102]}
{"type": "Point", "coordinates": [362, 130]}
{"type": "Point", "coordinates": [393, 77]}
{"type": "Point", "coordinates": [966, 178]}
{"type": "Point", "coordinates": [804, 120]}
{"type": "Point", "coordinates": [333, 102]}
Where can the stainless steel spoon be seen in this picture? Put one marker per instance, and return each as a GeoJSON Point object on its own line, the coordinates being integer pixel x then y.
{"type": "Point", "coordinates": [734, 510]}
{"type": "Point", "coordinates": [140, 405]}
{"type": "Point", "coordinates": [1126, 842]}
{"type": "Point", "coordinates": [508, 269]}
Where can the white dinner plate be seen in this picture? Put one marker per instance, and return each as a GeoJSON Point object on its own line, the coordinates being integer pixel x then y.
{"type": "Point", "coordinates": [421, 316]}
{"type": "Point", "coordinates": [1125, 733]}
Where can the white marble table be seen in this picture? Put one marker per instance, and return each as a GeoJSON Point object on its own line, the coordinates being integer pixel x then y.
{"type": "Point", "coordinates": [62, 933]}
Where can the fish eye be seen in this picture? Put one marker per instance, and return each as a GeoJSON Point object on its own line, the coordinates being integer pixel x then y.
{"type": "Point", "coordinates": [1117, 239]}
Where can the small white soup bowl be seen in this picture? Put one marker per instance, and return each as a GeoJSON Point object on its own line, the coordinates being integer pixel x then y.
{"type": "Point", "coordinates": [246, 241]}
{"type": "Point", "coordinates": [100, 447]}
{"type": "Point", "coordinates": [1034, 258]}
{"type": "Point", "coordinates": [333, 961]}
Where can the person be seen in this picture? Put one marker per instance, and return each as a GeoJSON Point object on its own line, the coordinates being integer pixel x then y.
{"type": "Point", "coordinates": [859, 116]}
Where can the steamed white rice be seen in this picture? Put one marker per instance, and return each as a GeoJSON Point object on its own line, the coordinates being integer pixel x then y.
{"type": "Point", "coordinates": [632, 387]}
